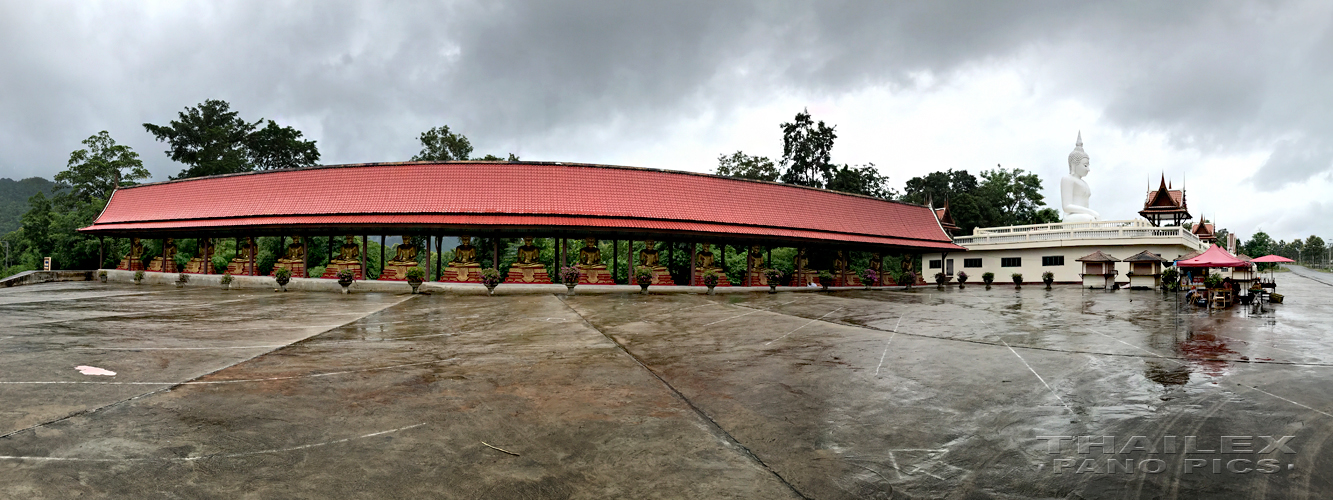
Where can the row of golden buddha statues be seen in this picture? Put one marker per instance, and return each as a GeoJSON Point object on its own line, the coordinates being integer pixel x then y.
{"type": "Point", "coordinates": [465, 268]}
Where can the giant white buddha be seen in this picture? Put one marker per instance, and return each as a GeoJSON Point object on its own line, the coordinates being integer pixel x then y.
{"type": "Point", "coordinates": [1074, 191]}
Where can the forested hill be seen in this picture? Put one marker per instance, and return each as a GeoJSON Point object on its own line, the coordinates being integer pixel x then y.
{"type": "Point", "coordinates": [14, 199]}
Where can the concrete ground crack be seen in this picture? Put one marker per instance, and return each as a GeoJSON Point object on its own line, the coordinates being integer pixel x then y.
{"type": "Point", "coordinates": [717, 429]}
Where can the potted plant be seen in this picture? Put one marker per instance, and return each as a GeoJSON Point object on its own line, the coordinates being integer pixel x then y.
{"type": "Point", "coordinates": [643, 276]}
{"type": "Point", "coordinates": [907, 279]}
{"type": "Point", "coordinates": [138, 277]}
{"type": "Point", "coordinates": [226, 281]}
{"type": "Point", "coordinates": [988, 278]}
{"type": "Point", "coordinates": [101, 276]}
{"type": "Point", "coordinates": [1213, 281]}
{"type": "Point", "coordinates": [414, 278]}
{"type": "Point", "coordinates": [825, 279]}
{"type": "Point", "coordinates": [941, 279]}
{"type": "Point", "coordinates": [491, 278]}
{"type": "Point", "coordinates": [1018, 280]}
{"type": "Point", "coordinates": [182, 279]}
{"type": "Point", "coordinates": [1171, 279]}
{"type": "Point", "coordinates": [773, 276]}
{"type": "Point", "coordinates": [962, 279]}
{"type": "Point", "coordinates": [869, 277]}
{"type": "Point", "coordinates": [710, 280]}
{"type": "Point", "coordinates": [569, 275]}
{"type": "Point", "coordinates": [1048, 278]}
{"type": "Point", "coordinates": [345, 278]}
{"type": "Point", "coordinates": [282, 276]}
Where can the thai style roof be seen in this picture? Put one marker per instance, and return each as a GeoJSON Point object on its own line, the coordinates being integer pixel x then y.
{"type": "Point", "coordinates": [544, 198]}
{"type": "Point", "coordinates": [1165, 201]}
{"type": "Point", "coordinates": [1097, 256]}
{"type": "Point", "coordinates": [1204, 230]}
{"type": "Point", "coordinates": [946, 218]}
{"type": "Point", "coordinates": [1145, 256]}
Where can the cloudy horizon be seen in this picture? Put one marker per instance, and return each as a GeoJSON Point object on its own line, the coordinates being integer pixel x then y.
{"type": "Point", "coordinates": [1226, 98]}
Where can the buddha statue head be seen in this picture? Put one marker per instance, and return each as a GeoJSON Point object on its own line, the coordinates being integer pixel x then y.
{"type": "Point", "coordinates": [527, 242]}
{"type": "Point", "coordinates": [705, 248]}
{"type": "Point", "coordinates": [649, 245]}
{"type": "Point", "coordinates": [1078, 159]}
{"type": "Point", "coordinates": [464, 241]}
{"type": "Point", "coordinates": [590, 242]}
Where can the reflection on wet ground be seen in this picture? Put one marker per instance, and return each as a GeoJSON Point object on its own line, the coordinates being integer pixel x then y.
{"type": "Point", "coordinates": [931, 393]}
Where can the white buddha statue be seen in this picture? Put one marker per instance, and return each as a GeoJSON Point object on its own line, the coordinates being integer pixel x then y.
{"type": "Point", "coordinates": [1074, 191]}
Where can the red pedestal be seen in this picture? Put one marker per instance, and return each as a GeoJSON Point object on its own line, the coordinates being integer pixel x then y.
{"type": "Point", "coordinates": [297, 268]}
{"type": "Point", "coordinates": [395, 272]}
{"type": "Point", "coordinates": [127, 265]}
{"type": "Point", "coordinates": [846, 278]}
{"type": "Point", "coordinates": [331, 272]}
{"type": "Point", "coordinates": [722, 279]}
{"type": "Point", "coordinates": [198, 265]}
{"type": "Point", "coordinates": [239, 268]}
{"type": "Point", "coordinates": [526, 275]}
{"type": "Point", "coordinates": [755, 277]}
{"type": "Point", "coordinates": [595, 276]}
{"type": "Point", "coordinates": [466, 274]}
{"type": "Point", "coordinates": [805, 278]}
{"type": "Point", "coordinates": [155, 266]}
{"type": "Point", "coordinates": [662, 276]}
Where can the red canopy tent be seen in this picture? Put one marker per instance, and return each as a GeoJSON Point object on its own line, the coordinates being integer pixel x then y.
{"type": "Point", "coordinates": [1214, 257]}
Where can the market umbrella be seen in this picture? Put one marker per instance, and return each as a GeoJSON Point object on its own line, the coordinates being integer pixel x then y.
{"type": "Point", "coordinates": [1271, 259]}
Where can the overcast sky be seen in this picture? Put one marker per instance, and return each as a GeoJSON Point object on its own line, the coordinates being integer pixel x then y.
{"type": "Point", "coordinates": [1231, 99]}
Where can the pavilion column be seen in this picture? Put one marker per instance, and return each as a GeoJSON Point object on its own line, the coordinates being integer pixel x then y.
{"type": "Point", "coordinates": [330, 254]}
{"type": "Point", "coordinates": [724, 258]}
{"type": "Point", "coordinates": [365, 247]}
{"type": "Point", "coordinates": [615, 259]}
{"type": "Point", "coordinates": [101, 252]}
{"type": "Point", "coordinates": [749, 267]}
{"type": "Point", "coordinates": [305, 257]}
{"type": "Point", "coordinates": [439, 255]}
{"type": "Point", "coordinates": [495, 252]}
{"type": "Point", "coordinates": [629, 262]}
{"type": "Point", "coordinates": [381, 257]}
{"type": "Point", "coordinates": [254, 249]}
{"type": "Point", "coordinates": [164, 255]}
{"type": "Point", "coordinates": [560, 251]}
{"type": "Point", "coordinates": [694, 260]}
{"type": "Point", "coordinates": [769, 260]}
{"type": "Point", "coordinates": [671, 257]}
{"type": "Point", "coordinates": [428, 238]}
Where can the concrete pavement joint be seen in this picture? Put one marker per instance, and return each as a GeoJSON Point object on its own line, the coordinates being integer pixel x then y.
{"type": "Point", "coordinates": [697, 411]}
{"type": "Point", "coordinates": [802, 326]}
{"type": "Point", "coordinates": [1034, 372]}
{"type": "Point", "coordinates": [1285, 399]}
{"type": "Point", "coordinates": [155, 391]}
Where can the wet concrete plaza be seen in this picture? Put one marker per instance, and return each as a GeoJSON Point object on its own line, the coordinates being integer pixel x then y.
{"type": "Point", "coordinates": [931, 393]}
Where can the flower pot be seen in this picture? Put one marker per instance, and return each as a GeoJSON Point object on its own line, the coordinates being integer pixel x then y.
{"type": "Point", "coordinates": [102, 278]}
{"type": "Point", "coordinates": [571, 289]}
{"type": "Point", "coordinates": [711, 291]}
{"type": "Point", "coordinates": [415, 285]}
{"type": "Point", "coordinates": [490, 289]}
{"type": "Point", "coordinates": [772, 288]}
{"type": "Point", "coordinates": [643, 289]}
{"type": "Point", "coordinates": [823, 286]}
{"type": "Point", "coordinates": [282, 287]}
{"type": "Point", "coordinates": [345, 284]}
{"type": "Point", "coordinates": [226, 286]}
{"type": "Point", "coordinates": [1048, 283]}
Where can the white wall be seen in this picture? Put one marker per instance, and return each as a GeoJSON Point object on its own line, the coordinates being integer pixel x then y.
{"type": "Point", "coordinates": [1031, 268]}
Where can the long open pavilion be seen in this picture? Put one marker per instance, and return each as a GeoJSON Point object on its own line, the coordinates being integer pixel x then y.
{"type": "Point", "coordinates": [563, 201]}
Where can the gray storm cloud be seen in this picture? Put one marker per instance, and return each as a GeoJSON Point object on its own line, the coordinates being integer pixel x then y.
{"type": "Point", "coordinates": [568, 79]}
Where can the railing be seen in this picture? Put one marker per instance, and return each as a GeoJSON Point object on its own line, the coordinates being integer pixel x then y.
{"type": "Point", "coordinates": [1079, 230]}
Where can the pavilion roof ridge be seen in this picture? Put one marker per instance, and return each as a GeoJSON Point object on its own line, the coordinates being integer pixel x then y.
{"type": "Point", "coordinates": [1097, 256]}
{"type": "Point", "coordinates": [1144, 256]}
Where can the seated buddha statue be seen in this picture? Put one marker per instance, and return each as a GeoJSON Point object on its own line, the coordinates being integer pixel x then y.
{"type": "Point", "coordinates": [755, 258]}
{"type": "Point", "coordinates": [590, 256]}
{"type": "Point", "coordinates": [295, 252]}
{"type": "Point", "coordinates": [648, 256]}
{"type": "Point", "coordinates": [706, 261]}
{"type": "Point", "coordinates": [169, 249]}
{"type": "Point", "coordinates": [876, 261]}
{"type": "Point", "coordinates": [202, 263]}
{"type": "Point", "coordinates": [527, 255]}
{"type": "Point", "coordinates": [801, 262]}
{"type": "Point", "coordinates": [465, 255]}
{"type": "Point", "coordinates": [165, 263]}
{"type": "Point", "coordinates": [136, 249]}
{"type": "Point", "coordinates": [839, 261]}
{"type": "Point", "coordinates": [406, 253]}
{"type": "Point", "coordinates": [348, 253]}
{"type": "Point", "coordinates": [240, 264]}
{"type": "Point", "coordinates": [133, 261]}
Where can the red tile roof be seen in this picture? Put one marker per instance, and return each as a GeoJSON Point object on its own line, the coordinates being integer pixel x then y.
{"type": "Point", "coordinates": [497, 196]}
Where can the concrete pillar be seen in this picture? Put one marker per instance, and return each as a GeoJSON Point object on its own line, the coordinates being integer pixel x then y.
{"type": "Point", "coordinates": [694, 260]}
{"type": "Point", "coordinates": [428, 238]}
{"type": "Point", "coordinates": [381, 256]}
{"type": "Point", "coordinates": [495, 253]}
{"type": "Point", "coordinates": [365, 248]}
{"type": "Point", "coordinates": [615, 258]}
{"type": "Point", "coordinates": [254, 249]}
{"type": "Point", "coordinates": [305, 257]}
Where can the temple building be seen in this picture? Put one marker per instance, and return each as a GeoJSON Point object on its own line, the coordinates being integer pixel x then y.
{"type": "Point", "coordinates": [1032, 250]}
{"type": "Point", "coordinates": [427, 201]}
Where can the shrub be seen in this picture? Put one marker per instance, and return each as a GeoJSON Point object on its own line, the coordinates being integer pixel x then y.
{"type": "Point", "coordinates": [710, 278]}
{"type": "Point", "coordinates": [825, 278]}
{"type": "Point", "coordinates": [138, 276]}
{"type": "Point", "coordinates": [1213, 280]}
{"type": "Point", "coordinates": [416, 275]}
{"type": "Point", "coordinates": [962, 277]}
{"type": "Point", "coordinates": [346, 275]}
{"type": "Point", "coordinates": [490, 277]}
{"type": "Point", "coordinates": [907, 278]}
{"type": "Point", "coordinates": [773, 276]}
{"type": "Point", "coordinates": [182, 278]}
{"type": "Point", "coordinates": [1171, 279]}
{"type": "Point", "coordinates": [1048, 276]}
{"type": "Point", "coordinates": [869, 276]}
{"type": "Point", "coordinates": [988, 277]}
{"type": "Point", "coordinates": [569, 275]}
{"type": "Point", "coordinates": [941, 279]}
{"type": "Point", "coordinates": [227, 279]}
{"type": "Point", "coordinates": [282, 275]}
{"type": "Point", "coordinates": [1018, 278]}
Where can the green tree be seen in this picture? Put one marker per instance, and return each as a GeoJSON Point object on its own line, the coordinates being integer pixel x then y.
{"type": "Point", "coordinates": [95, 171]}
{"type": "Point", "coordinates": [1314, 249]}
{"type": "Point", "coordinates": [211, 139]}
{"type": "Point", "coordinates": [1011, 197]}
{"type": "Point", "coordinates": [807, 151]}
{"type": "Point", "coordinates": [864, 180]}
{"type": "Point", "coordinates": [936, 187]}
{"type": "Point", "coordinates": [744, 166]}
{"type": "Point", "coordinates": [1259, 245]}
{"type": "Point", "coordinates": [439, 144]}
{"type": "Point", "coordinates": [37, 224]}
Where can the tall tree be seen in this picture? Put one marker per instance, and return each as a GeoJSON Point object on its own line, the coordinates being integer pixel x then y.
{"type": "Point", "coordinates": [37, 224]}
{"type": "Point", "coordinates": [95, 171]}
{"type": "Point", "coordinates": [807, 151]}
{"type": "Point", "coordinates": [211, 139]}
{"type": "Point", "coordinates": [1013, 197]}
{"type": "Point", "coordinates": [439, 144]}
{"type": "Point", "coordinates": [744, 166]}
{"type": "Point", "coordinates": [864, 180]}
{"type": "Point", "coordinates": [1259, 245]}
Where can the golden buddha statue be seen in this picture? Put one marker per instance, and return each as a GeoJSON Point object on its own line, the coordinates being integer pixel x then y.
{"type": "Point", "coordinates": [754, 263]}
{"type": "Point", "coordinates": [527, 267]}
{"type": "Point", "coordinates": [755, 259]}
{"type": "Point", "coordinates": [349, 252]}
{"type": "Point", "coordinates": [839, 261]}
{"type": "Point", "coordinates": [295, 251]}
{"type": "Point", "coordinates": [405, 254]}
{"type": "Point", "coordinates": [801, 262]}
{"type": "Point", "coordinates": [245, 251]}
{"type": "Point", "coordinates": [527, 254]}
{"type": "Point", "coordinates": [133, 261]}
{"type": "Point", "coordinates": [876, 261]}
{"type": "Point", "coordinates": [240, 264]}
{"type": "Point", "coordinates": [706, 260]}
{"type": "Point", "coordinates": [592, 271]}
{"type": "Point", "coordinates": [165, 263]}
{"type": "Point", "coordinates": [803, 275]}
{"type": "Point", "coordinates": [648, 256]}
{"type": "Point", "coordinates": [465, 255]}
{"type": "Point", "coordinates": [202, 263]}
{"type": "Point", "coordinates": [464, 268]}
